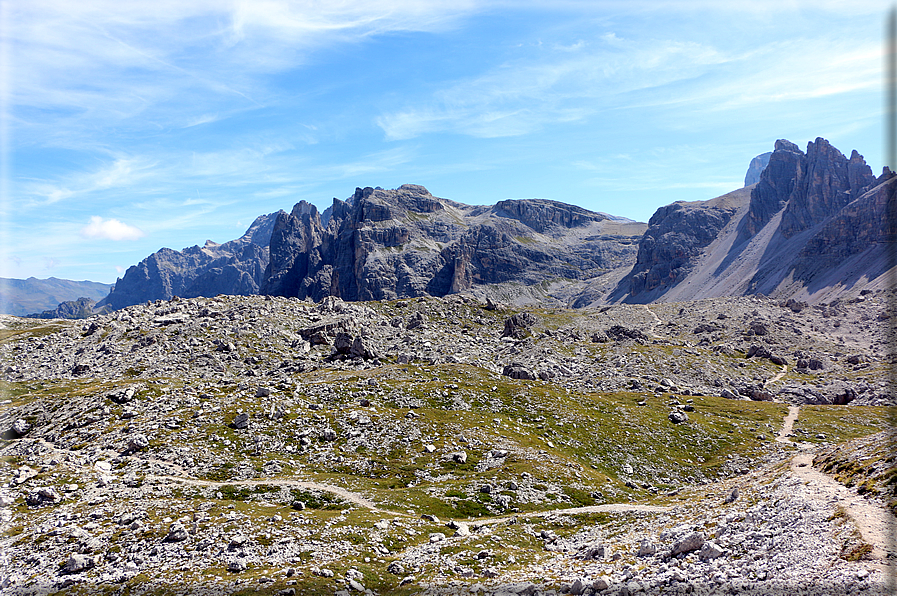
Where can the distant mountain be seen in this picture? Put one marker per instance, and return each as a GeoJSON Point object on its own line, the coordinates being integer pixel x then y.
{"type": "Point", "coordinates": [234, 267]}
{"type": "Point", "coordinates": [806, 226]}
{"type": "Point", "coordinates": [813, 228]}
{"type": "Point", "coordinates": [406, 243]}
{"type": "Point", "coordinates": [81, 308]}
{"type": "Point", "coordinates": [20, 297]}
{"type": "Point", "coordinates": [756, 167]}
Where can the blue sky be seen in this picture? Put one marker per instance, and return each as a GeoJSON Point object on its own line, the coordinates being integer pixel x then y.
{"type": "Point", "coordinates": [132, 125]}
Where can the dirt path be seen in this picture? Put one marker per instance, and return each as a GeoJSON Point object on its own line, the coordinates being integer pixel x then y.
{"type": "Point", "coordinates": [341, 492]}
{"type": "Point", "coordinates": [656, 322]}
{"type": "Point", "coordinates": [608, 508]}
{"type": "Point", "coordinates": [788, 425]}
{"type": "Point", "coordinates": [876, 525]}
{"type": "Point", "coordinates": [350, 496]}
{"type": "Point", "coordinates": [368, 504]}
{"type": "Point", "coordinates": [778, 376]}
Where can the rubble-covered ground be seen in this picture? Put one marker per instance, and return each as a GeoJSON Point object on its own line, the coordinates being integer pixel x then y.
{"type": "Point", "coordinates": [250, 444]}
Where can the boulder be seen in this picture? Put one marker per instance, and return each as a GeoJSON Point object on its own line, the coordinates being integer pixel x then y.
{"type": "Point", "coordinates": [241, 421]}
{"type": "Point", "coordinates": [76, 563]}
{"type": "Point", "coordinates": [678, 417]}
{"type": "Point", "coordinates": [518, 371]}
{"type": "Point", "coordinates": [518, 326]}
{"type": "Point", "coordinates": [690, 543]}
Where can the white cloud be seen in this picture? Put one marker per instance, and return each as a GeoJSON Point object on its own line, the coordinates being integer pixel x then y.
{"type": "Point", "coordinates": [110, 229]}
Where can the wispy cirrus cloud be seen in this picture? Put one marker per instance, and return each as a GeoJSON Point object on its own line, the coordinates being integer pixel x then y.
{"type": "Point", "coordinates": [121, 172]}
{"type": "Point", "coordinates": [545, 86]}
{"type": "Point", "coordinates": [611, 72]}
{"type": "Point", "coordinates": [169, 63]}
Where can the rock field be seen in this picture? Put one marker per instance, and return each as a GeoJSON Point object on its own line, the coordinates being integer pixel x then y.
{"type": "Point", "coordinates": [252, 444]}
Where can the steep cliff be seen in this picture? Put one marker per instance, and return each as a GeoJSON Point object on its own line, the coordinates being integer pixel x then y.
{"type": "Point", "coordinates": [811, 228]}
{"type": "Point", "coordinates": [234, 267]}
{"type": "Point", "coordinates": [406, 242]}
{"type": "Point", "coordinates": [676, 235]}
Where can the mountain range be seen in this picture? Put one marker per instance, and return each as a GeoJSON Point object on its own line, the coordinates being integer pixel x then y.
{"type": "Point", "coordinates": [806, 226]}
{"type": "Point", "coordinates": [20, 297]}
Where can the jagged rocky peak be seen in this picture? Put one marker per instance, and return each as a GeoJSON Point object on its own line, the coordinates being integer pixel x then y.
{"type": "Point", "coordinates": [809, 186]}
{"type": "Point", "coordinates": [810, 229]}
{"type": "Point", "coordinates": [259, 231]}
{"type": "Point", "coordinates": [405, 242]}
{"type": "Point", "coordinates": [776, 185]}
{"type": "Point", "coordinates": [304, 208]}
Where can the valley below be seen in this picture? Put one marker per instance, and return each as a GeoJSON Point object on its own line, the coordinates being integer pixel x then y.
{"type": "Point", "coordinates": [454, 445]}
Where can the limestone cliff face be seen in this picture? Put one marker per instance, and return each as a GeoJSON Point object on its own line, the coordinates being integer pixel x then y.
{"type": "Point", "coordinates": [809, 186]}
{"type": "Point", "coordinates": [406, 242]}
{"type": "Point", "coordinates": [828, 182]}
{"type": "Point", "coordinates": [859, 227]}
{"type": "Point", "coordinates": [235, 267]}
{"type": "Point", "coordinates": [776, 187]}
{"type": "Point", "coordinates": [676, 235]}
{"type": "Point", "coordinates": [812, 228]}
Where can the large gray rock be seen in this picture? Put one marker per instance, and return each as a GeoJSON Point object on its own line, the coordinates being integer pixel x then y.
{"type": "Point", "coordinates": [176, 533]}
{"type": "Point", "coordinates": [21, 427]}
{"type": "Point", "coordinates": [518, 371]}
{"type": "Point", "coordinates": [43, 496]}
{"type": "Point", "coordinates": [690, 543]}
{"type": "Point", "coordinates": [137, 442]}
{"type": "Point", "coordinates": [77, 563]}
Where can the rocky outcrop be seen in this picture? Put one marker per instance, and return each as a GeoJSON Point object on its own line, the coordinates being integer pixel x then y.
{"type": "Point", "coordinates": [862, 226]}
{"type": "Point", "coordinates": [829, 182]}
{"type": "Point", "coordinates": [406, 242]}
{"type": "Point", "coordinates": [776, 187]}
{"type": "Point", "coordinates": [809, 186]}
{"type": "Point", "coordinates": [235, 267]}
{"type": "Point", "coordinates": [756, 167]}
{"type": "Point", "coordinates": [541, 215]}
{"type": "Point", "coordinates": [81, 308]}
{"type": "Point", "coordinates": [292, 248]}
{"type": "Point", "coordinates": [676, 235]}
{"type": "Point", "coordinates": [813, 228]}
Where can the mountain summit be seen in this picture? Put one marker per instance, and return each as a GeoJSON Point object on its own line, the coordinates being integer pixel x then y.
{"type": "Point", "coordinates": [808, 226]}
{"type": "Point", "coordinates": [234, 267]}
{"type": "Point", "coordinates": [406, 242]}
{"type": "Point", "coordinates": [810, 229]}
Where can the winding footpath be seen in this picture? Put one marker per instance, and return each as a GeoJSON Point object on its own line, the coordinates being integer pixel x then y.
{"type": "Point", "coordinates": [877, 526]}
{"type": "Point", "coordinates": [777, 376]}
{"type": "Point", "coordinates": [356, 498]}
